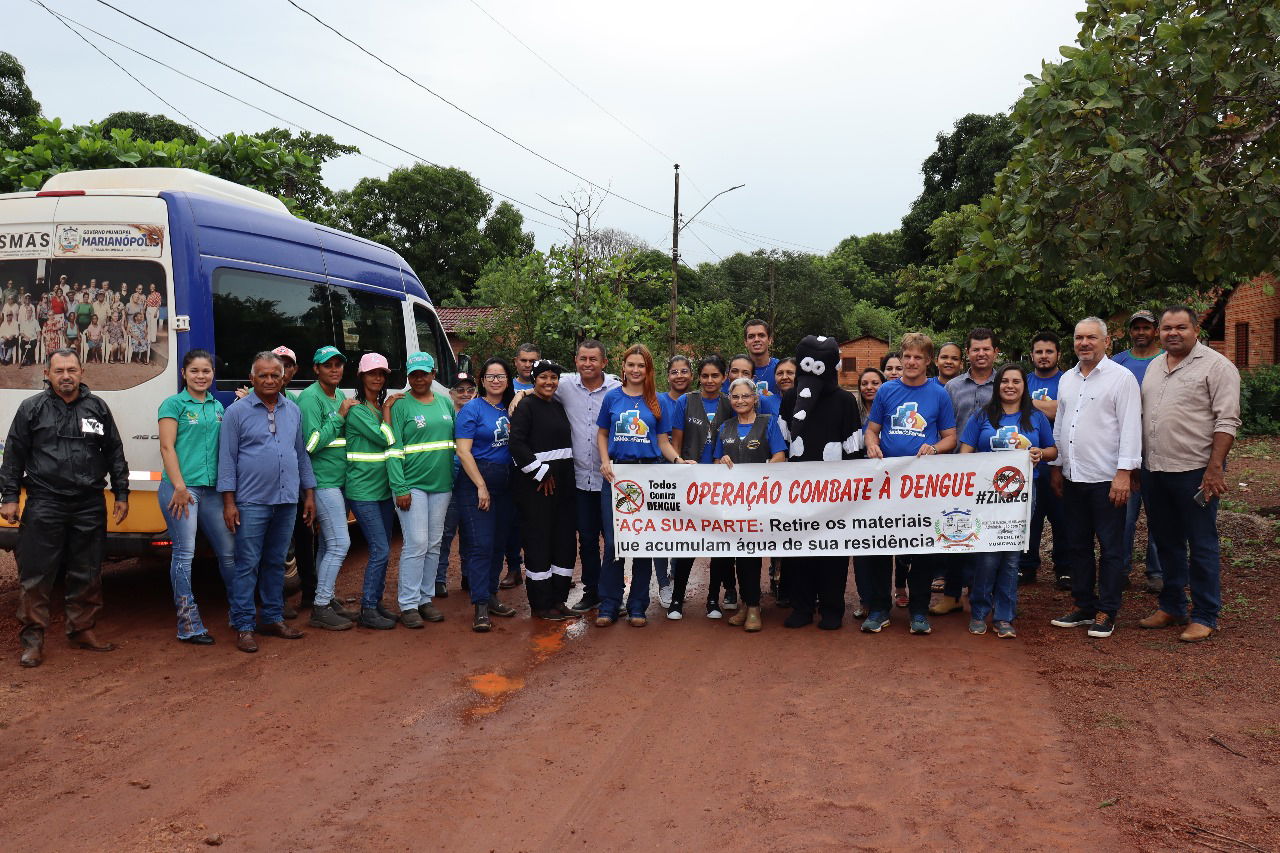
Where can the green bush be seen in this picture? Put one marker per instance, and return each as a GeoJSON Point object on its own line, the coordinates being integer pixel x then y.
{"type": "Point", "coordinates": [1260, 401]}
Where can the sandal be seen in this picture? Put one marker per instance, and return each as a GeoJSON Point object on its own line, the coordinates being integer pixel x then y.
{"type": "Point", "coordinates": [939, 585]}
{"type": "Point", "coordinates": [902, 599]}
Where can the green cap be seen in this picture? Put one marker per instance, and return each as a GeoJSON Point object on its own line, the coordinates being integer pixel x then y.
{"type": "Point", "coordinates": [325, 353]}
{"type": "Point", "coordinates": [423, 361]}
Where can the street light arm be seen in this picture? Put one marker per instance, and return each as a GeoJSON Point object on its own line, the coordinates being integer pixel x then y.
{"type": "Point", "coordinates": [688, 221]}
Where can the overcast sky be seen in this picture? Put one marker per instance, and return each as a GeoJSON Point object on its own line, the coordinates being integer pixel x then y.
{"type": "Point", "coordinates": [823, 109]}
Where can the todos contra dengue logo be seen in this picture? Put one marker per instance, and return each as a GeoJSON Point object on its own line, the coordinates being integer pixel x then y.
{"type": "Point", "coordinates": [628, 497]}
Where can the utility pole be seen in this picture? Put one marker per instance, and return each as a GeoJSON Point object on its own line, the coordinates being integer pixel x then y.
{"type": "Point", "coordinates": [773, 305]}
{"type": "Point", "coordinates": [675, 258]}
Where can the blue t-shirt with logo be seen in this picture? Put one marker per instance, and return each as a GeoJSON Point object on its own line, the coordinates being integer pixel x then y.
{"type": "Point", "coordinates": [983, 437]}
{"type": "Point", "coordinates": [520, 385]}
{"type": "Point", "coordinates": [1043, 389]}
{"type": "Point", "coordinates": [764, 377]}
{"type": "Point", "coordinates": [489, 429]}
{"type": "Point", "coordinates": [1137, 365]}
{"type": "Point", "coordinates": [910, 416]}
{"type": "Point", "coordinates": [632, 428]}
{"type": "Point", "coordinates": [680, 411]}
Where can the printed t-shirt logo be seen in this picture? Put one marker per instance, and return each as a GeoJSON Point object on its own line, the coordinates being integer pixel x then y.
{"type": "Point", "coordinates": [1041, 394]}
{"type": "Point", "coordinates": [193, 418]}
{"type": "Point", "coordinates": [420, 421]}
{"type": "Point", "coordinates": [908, 419]}
{"type": "Point", "coordinates": [630, 426]}
{"type": "Point", "coordinates": [1008, 438]}
{"type": "Point", "coordinates": [501, 431]}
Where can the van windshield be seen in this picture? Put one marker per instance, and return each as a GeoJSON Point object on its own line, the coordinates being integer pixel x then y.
{"type": "Point", "coordinates": [112, 311]}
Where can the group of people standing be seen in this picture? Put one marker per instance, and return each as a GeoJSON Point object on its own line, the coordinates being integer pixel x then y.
{"type": "Point", "coordinates": [101, 322]}
{"type": "Point", "coordinates": [530, 451]}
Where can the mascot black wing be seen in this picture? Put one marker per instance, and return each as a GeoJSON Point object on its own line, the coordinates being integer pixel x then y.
{"type": "Point", "coordinates": [820, 419]}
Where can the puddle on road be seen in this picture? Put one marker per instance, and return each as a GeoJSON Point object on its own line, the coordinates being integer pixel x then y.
{"type": "Point", "coordinates": [493, 689]}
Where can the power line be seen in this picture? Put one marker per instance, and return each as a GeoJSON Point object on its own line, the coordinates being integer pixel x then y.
{"type": "Point", "coordinates": [322, 112]}
{"type": "Point", "coordinates": [466, 112]}
{"type": "Point", "coordinates": [107, 57]}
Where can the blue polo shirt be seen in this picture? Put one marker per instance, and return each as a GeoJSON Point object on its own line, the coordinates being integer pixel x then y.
{"type": "Point", "coordinates": [489, 429]}
{"type": "Point", "coordinates": [633, 430]}
{"type": "Point", "coordinates": [1138, 366]}
{"type": "Point", "coordinates": [260, 465]}
{"type": "Point", "coordinates": [910, 416]}
{"type": "Point", "coordinates": [1010, 435]}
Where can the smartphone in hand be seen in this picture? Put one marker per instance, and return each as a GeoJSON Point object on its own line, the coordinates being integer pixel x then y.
{"type": "Point", "coordinates": [1200, 498]}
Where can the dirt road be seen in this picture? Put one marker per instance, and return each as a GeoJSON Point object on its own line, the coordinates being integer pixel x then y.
{"type": "Point", "coordinates": [535, 737]}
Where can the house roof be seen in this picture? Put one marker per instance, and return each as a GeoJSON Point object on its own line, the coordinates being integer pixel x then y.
{"type": "Point", "coordinates": [864, 338]}
{"type": "Point", "coordinates": [457, 320]}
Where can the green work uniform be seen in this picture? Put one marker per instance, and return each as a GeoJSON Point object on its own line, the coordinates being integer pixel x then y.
{"type": "Point", "coordinates": [368, 440]}
{"type": "Point", "coordinates": [324, 433]}
{"type": "Point", "coordinates": [422, 457]}
{"type": "Point", "coordinates": [197, 440]}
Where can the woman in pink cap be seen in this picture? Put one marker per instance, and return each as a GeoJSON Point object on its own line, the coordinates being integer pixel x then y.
{"type": "Point", "coordinates": [368, 488]}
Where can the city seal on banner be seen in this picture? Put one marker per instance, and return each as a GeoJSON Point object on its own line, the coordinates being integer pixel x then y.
{"type": "Point", "coordinates": [629, 497]}
{"type": "Point", "coordinates": [957, 528]}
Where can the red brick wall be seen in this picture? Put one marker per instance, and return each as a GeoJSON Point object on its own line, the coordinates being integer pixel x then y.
{"type": "Point", "coordinates": [865, 352]}
{"type": "Point", "coordinates": [1251, 304]}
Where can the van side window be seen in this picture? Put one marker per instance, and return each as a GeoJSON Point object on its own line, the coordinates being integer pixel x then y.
{"type": "Point", "coordinates": [254, 311]}
{"type": "Point", "coordinates": [369, 322]}
{"type": "Point", "coordinates": [431, 338]}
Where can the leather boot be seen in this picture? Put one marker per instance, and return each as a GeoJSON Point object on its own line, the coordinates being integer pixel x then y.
{"type": "Point", "coordinates": [753, 622]}
{"type": "Point", "coordinates": [738, 618]}
{"type": "Point", "coordinates": [946, 604]}
{"type": "Point", "coordinates": [32, 648]}
{"type": "Point", "coordinates": [86, 639]}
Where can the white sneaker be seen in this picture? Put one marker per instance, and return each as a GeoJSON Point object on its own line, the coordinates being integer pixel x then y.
{"type": "Point", "coordinates": [675, 615]}
{"type": "Point", "coordinates": [714, 613]}
{"type": "Point", "coordinates": [664, 595]}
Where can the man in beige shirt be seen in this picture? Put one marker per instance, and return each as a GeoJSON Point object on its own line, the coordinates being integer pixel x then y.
{"type": "Point", "coordinates": [1190, 414]}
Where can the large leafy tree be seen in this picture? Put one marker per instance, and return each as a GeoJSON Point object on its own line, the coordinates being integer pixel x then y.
{"type": "Point", "coordinates": [154, 128]}
{"type": "Point", "coordinates": [1149, 166]}
{"type": "Point", "coordinates": [960, 171]}
{"type": "Point", "coordinates": [436, 219]}
{"type": "Point", "coordinates": [18, 107]}
{"type": "Point", "coordinates": [309, 196]}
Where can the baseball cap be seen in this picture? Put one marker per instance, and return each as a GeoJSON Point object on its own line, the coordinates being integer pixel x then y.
{"type": "Point", "coordinates": [285, 352]}
{"type": "Point", "coordinates": [463, 376]}
{"type": "Point", "coordinates": [325, 353]}
{"type": "Point", "coordinates": [420, 361]}
{"type": "Point", "coordinates": [373, 361]}
{"type": "Point", "coordinates": [1144, 314]}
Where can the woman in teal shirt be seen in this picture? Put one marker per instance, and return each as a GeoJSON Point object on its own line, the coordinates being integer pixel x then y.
{"type": "Point", "coordinates": [189, 423]}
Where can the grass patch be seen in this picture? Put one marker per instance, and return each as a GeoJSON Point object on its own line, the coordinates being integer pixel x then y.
{"type": "Point", "coordinates": [1112, 720]}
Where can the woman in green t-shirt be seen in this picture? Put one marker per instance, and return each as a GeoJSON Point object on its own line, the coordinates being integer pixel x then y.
{"type": "Point", "coordinates": [189, 424]}
{"type": "Point", "coordinates": [420, 468]}
{"type": "Point", "coordinates": [367, 488]}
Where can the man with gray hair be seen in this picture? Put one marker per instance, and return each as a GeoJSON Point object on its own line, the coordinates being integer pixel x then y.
{"type": "Point", "coordinates": [263, 468]}
{"type": "Point", "coordinates": [1099, 436]}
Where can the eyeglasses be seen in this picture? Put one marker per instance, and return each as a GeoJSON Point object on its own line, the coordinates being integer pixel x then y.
{"type": "Point", "coordinates": [469, 389]}
{"type": "Point", "coordinates": [679, 371]}
{"type": "Point", "coordinates": [494, 377]}
{"type": "Point", "coordinates": [739, 398]}
{"type": "Point", "coordinates": [271, 421]}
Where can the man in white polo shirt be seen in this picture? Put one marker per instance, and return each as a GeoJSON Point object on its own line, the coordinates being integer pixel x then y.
{"type": "Point", "coordinates": [1099, 435]}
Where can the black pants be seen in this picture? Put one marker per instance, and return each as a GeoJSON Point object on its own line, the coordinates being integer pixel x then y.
{"type": "Point", "coordinates": [57, 534]}
{"type": "Point", "coordinates": [820, 582]}
{"type": "Point", "coordinates": [748, 572]}
{"type": "Point", "coordinates": [877, 578]}
{"type": "Point", "coordinates": [548, 532]}
{"type": "Point", "coordinates": [304, 554]}
{"type": "Point", "coordinates": [722, 578]}
{"type": "Point", "coordinates": [1088, 513]}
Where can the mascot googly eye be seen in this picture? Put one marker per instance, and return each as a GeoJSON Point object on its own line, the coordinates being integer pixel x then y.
{"type": "Point", "coordinates": [806, 364]}
{"type": "Point", "coordinates": [818, 368]}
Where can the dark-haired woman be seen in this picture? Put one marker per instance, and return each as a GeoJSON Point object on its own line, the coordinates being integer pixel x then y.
{"type": "Point", "coordinates": [891, 366]}
{"type": "Point", "coordinates": [748, 438]}
{"type": "Point", "coordinates": [368, 488]}
{"type": "Point", "coordinates": [784, 375]}
{"type": "Point", "coordinates": [482, 433]}
{"type": "Point", "coordinates": [634, 427]}
{"type": "Point", "coordinates": [544, 492]}
{"type": "Point", "coordinates": [189, 424]}
{"type": "Point", "coordinates": [697, 416]}
{"type": "Point", "coordinates": [679, 377]}
{"type": "Point", "coordinates": [1008, 422]}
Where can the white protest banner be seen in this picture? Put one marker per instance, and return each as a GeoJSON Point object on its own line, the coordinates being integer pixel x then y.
{"type": "Point", "coordinates": [912, 505]}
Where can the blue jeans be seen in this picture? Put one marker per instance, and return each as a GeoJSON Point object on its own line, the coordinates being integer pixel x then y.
{"type": "Point", "coordinates": [206, 515]}
{"type": "Point", "coordinates": [611, 580]}
{"type": "Point", "coordinates": [1045, 505]}
{"type": "Point", "coordinates": [1136, 500]}
{"type": "Point", "coordinates": [422, 526]}
{"type": "Point", "coordinates": [446, 538]}
{"type": "Point", "coordinates": [262, 542]}
{"type": "Point", "coordinates": [334, 539]}
{"type": "Point", "coordinates": [590, 528]}
{"type": "Point", "coordinates": [1089, 513]}
{"type": "Point", "coordinates": [995, 576]}
{"type": "Point", "coordinates": [376, 520]}
{"type": "Point", "coordinates": [1182, 526]}
{"type": "Point", "coordinates": [484, 537]}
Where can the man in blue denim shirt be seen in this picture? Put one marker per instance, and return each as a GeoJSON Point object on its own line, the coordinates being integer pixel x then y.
{"type": "Point", "coordinates": [262, 468]}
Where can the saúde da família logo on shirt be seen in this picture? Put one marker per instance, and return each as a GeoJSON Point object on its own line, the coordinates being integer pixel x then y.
{"type": "Point", "coordinates": [908, 420]}
{"type": "Point", "coordinates": [630, 427]}
{"type": "Point", "coordinates": [1008, 438]}
{"type": "Point", "coordinates": [501, 431]}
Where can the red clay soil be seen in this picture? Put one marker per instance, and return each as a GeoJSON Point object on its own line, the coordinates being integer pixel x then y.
{"type": "Point", "coordinates": [682, 734]}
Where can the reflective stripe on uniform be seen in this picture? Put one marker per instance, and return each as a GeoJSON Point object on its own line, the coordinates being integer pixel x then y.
{"type": "Point", "coordinates": [315, 439]}
{"type": "Point", "coordinates": [366, 457]}
{"type": "Point", "coordinates": [386, 433]}
{"type": "Point", "coordinates": [429, 446]}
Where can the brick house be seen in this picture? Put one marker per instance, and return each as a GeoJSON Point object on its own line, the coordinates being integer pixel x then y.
{"type": "Point", "coordinates": [1245, 325]}
{"type": "Point", "coordinates": [457, 321]}
{"type": "Point", "coordinates": [858, 354]}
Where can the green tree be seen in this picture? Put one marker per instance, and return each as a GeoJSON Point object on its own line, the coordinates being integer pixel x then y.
{"type": "Point", "coordinates": [311, 199]}
{"type": "Point", "coordinates": [866, 318]}
{"type": "Point", "coordinates": [247, 160]}
{"type": "Point", "coordinates": [18, 107]}
{"type": "Point", "coordinates": [960, 171]}
{"type": "Point", "coordinates": [1149, 166]}
{"type": "Point", "coordinates": [153, 128]}
{"type": "Point", "coordinates": [435, 218]}
{"type": "Point", "coordinates": [505, 231]}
